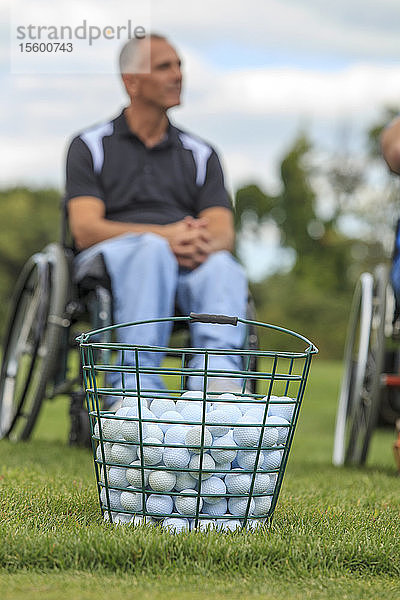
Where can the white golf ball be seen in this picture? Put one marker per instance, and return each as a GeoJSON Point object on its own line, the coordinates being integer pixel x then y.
{"type": "Point", "coordinates": [132, 501]}
{"type": "Point", "coordinates": [238, 482]}
{"type": "Point", "coordinates": [208, 464]}
{"type": "Point", "coordinates": [216, 510]}
{"type": "Point", "coordinates": [205, 524]}
{"type": "Point", "coordinates": [117, 477]}
{"type": "Point", "coordinates": [176, 525]}
{"type": "Point", "coordinates": [122, 519]}
{"type": "Point", "coordinates": [261, 483]}
{"type": "Point", "coordinates": [176, 458]}
{"type": "Point", "coordinates": [131, 431]}
{"type": "Point", "coordinates": [159, 505]}
{"type": "Point", "coordinates": [283, 407]}
{"type": "Point", "coordinates": [152, 454]}
{"type": "Point", "coordinates": [247, 437]}
{"type": "Point", "coordinates": [187, 504]}
{"type": "Point", "coordinates": [271, 434]}
{"type": "Point", "coordinates": [216, 487]}
{"type": "Point", "coordinates": [162, 481]}
{"type": "Point", "coordinates": [107, 452]}
{"type": "Point", "coordinates": [134, 476]}
{"type": "Point", "coordinates": [111, 429]}
{"type": "Point", "coordinates": [115, 499]}
{"type": "Point", "coordinates": [123, 454]}
{"type": "Point", "coordinates": [272, 483]}
{"type": "Point", "coordinates": [220, 455]}
{"type": "Point", "coordinates": [194, 436]}
{"type": "Point", "coordinates": [283, 429]}
{"type": "Point", "coordinates": [272, 460]}
{"type": "Point", "coordinates": [154, 431]}
{"type": "Point", "coordinates": [238, 506]}
{"type": "Point", "coordinates": [184, 481]}
{"type": "Point", "coordinates": [216, 421]}
{"type": "Point", "coordinates": [133, 402]}
{"type": "Point", "coordinates": [169, 415]}
{"type": "Point", "coordinates": [176, 434]}
{"type": "Point", "coordinates": [192, 413]}
{"type": "Point", "coordinates": [161, 405]}
{"type": "Point", "coordinates": [254, 524]}
{"type": "Point", "coordinates": [247, 459]}
{"type": "Point", "coordinates": [262, 504]}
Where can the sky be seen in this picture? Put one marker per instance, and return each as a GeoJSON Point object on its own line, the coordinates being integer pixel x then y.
{"type": "Point", "coordinates": [256, 73]}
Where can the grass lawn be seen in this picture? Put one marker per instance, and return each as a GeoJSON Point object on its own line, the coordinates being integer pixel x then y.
{"type": "Point", "coordinates": [335, 534]}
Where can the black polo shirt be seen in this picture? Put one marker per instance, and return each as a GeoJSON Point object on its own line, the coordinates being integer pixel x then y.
{"type": "Point", "coordinates": [178, 177]}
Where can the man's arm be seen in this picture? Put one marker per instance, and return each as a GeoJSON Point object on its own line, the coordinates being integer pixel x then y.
{"type": "Point", "coordinates": [219, 224]}
{"type": "Point", "coordinates": [189, 238]}
{"type": "Point", "coordinates": [390, 144]}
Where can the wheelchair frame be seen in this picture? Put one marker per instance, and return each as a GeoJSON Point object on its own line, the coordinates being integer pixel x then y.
{"type": "Point", "coordinates": [47, 305]}
{"type": "Point", "coordinates": [370, 388]}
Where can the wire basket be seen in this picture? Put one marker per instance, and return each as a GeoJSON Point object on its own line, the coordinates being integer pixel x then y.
{"type": "Point", "coordinates": [211, 457]}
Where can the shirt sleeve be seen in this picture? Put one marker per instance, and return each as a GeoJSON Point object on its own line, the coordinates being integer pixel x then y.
{"type": "Point", "coordinates": [81, 180]}
{"type": "Point", "coordinates": [212, 192]}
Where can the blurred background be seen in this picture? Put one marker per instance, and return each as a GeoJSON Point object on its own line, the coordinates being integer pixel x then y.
{"type": "Point", "coordinates": [292, 93]}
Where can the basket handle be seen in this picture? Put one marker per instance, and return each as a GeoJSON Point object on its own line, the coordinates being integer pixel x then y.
{"type": "Point", "coordinates": [206, 318]}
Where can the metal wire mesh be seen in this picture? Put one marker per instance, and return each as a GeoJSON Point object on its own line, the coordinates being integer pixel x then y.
{"type": "Point", "coordinates": [212, 457]}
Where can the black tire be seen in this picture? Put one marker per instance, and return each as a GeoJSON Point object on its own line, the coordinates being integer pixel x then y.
{"type": "Point", "coordinates": [32, 340]}
{"type": "Point", "coordinates": [363, 363]}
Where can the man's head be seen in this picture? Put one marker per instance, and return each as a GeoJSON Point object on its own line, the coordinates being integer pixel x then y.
{"type": "Point", "coordinates": [151, 72]}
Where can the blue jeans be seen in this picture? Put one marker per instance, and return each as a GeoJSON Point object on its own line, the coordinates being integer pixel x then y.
{"type": "Point", "coordinates": [147, 282]}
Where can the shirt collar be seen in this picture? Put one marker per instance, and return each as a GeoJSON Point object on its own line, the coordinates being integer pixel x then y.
{"type": "Point", "coordinates": [121, 128]}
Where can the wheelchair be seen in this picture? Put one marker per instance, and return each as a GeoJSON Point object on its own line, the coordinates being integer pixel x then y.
{"type": "Point", "coordinates": [370, 389]}
{"type": "Point", "coordinates": [48, 310]}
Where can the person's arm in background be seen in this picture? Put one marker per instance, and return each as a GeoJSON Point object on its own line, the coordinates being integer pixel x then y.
{"type": "Point", "coordinates": [390, 144]}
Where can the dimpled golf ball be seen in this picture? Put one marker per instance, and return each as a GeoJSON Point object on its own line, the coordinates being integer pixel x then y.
{"type": "Point", "coordinates": [194, 438]}
{"type": "Point", "coordinates": [184, 481]}
{"type": "Point", "coordinates": [247, 459]}
{"type": "Point", "coordinates": [107, 452]}
{"type": "Point", "coordinates": [161, 405]}
{"type": "Point", "coordinates": [192, 413]}
{"type": "Point", "coordinates": [272, 483]}
{"type": "Point", "coordinates": [238, 482]}
{"type": "Point", "coordinates": [176, 434]}
{"type": "Point", "coordinates": [224, 467]}
{"type": "Point", "coordinates": [132, 501]}
{"type": "Point", "coordinates": [123, 454]}
{"type": "Point", "coordinates": [111, 429]}
{"type": "Point", "coordinates": [162, 481]}
{"type": "Point", "coordinates": [270, 435]}
{"type": "Point", "coordinates": [134, 476]}
{"type": "Point", "coordinates": [261, 483]}
{"type": "Point", "coordinates": [131, 431]}
{"type": "Point", "coordinates": [247, 437]}
{"type": "Point", "coordinates": [115, 499]}
{"type": "Point", "coordinates": [228, 524]}
{"type": "Point", "coordinates": [169, 415]}
{"type": "Point", "coordinates": [133, 402]}
{"type": "Point", "coordinates": [117, 477]}
{"type": "Point", "coordinates": [221, 455]}
{"type": "Point", "coordinates": [283, 407]}
{"type": "Point", "coordinates": [216, 421]}
{"type": "Point", "coordinates": [187, 504]}
{"type": "Point", "coordinates": [233, 411]}
{"type": "Point", "coordinates": [154, 431]}
{"type": "Point", "coordinates": [176, 525]}
{"type": "Point", "coordinates": [159, 505]}
{"type": "Point", "coordinates": [122, 519]}
{"type": "Point", "coordinates": [208, 464]}
{"type": "Point", "coordinates": [283, 429]}
{"type": "Point", "coordinates": [272, 460]}
{"type": "Point", "coordinates": [238, 506]}
{"type": "Point", "coordinates": [262, 504]}
{"type": "Point", "coordinates": [215, 486]}
{"type": "Point", "coordinates": [254, 524]}
{"type": "Point", "coordinates": [216, 510]}
{"type": "Point", "coordinates": [152, 454]}
{"type": "Point", "coordinates": [176, 458]}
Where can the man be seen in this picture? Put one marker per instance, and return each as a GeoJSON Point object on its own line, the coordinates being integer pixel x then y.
{"type": "Point", "coordinates": [390, 144]}
{"type": "Point", "coordinates": [151, 199]}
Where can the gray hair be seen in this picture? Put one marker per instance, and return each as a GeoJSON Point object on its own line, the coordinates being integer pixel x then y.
{"type": "Point", "coordinates": [130, 56]}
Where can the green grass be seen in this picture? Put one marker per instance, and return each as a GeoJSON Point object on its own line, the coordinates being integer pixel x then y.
{"type": "Point", "coordinates": [335, 533]}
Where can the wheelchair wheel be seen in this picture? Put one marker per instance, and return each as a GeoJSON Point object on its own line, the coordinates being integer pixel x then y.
{"type": "Point", "coordinates": [31, 341]}
{"type": "Point", "coordinates": [363, 362]}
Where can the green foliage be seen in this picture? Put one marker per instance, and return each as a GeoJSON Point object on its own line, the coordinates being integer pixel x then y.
{"type": "Point", "coordinates": [29, 219]}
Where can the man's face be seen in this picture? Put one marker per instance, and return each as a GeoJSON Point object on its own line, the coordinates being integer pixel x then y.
{"type": "Point", "coordinates": [162, 86]}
